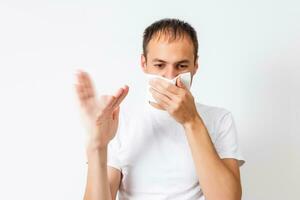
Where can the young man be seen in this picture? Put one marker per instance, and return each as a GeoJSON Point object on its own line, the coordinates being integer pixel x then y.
{"type": "Point", "coordinates": [172, 149]}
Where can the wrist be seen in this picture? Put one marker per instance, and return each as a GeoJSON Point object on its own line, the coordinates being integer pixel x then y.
{"type": "Point", "coordinates": [95, 144]}
{"type": "Point", "coordinates": [97, 154]}
{"type": "Point", "coordinates": [95, 147]}
{"type": "Point", "coordinates": [194, 123]}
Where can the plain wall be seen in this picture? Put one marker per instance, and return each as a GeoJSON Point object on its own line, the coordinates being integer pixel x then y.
{"type": "Point", "coordinates": [249, 64]}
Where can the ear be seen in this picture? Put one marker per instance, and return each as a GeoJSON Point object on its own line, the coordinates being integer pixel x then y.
{"type": "Point", "coordinates": [196, 66]}
{"type": "Point", "coordinates": [143, 63]}
{"type": "Point", "coordinates": [194, 70]}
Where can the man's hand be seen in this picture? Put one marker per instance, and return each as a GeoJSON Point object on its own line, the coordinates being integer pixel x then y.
{"type": "Point", "coordinates": [176, 100]}
{"type": "Point", "coordinates": [101, 115]}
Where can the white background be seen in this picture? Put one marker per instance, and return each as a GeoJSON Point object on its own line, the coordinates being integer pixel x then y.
{"type": "Point", "coordinates": [249, 64]}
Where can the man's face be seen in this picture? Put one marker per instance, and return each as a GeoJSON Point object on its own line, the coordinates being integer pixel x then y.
{"type": "Point", "coordinates": [169, 59]}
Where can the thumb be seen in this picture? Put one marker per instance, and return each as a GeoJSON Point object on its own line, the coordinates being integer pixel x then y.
{"type": "Point", "coordinates": [180, 84]}
{"type": "Point", "coordinates": [116, 113]}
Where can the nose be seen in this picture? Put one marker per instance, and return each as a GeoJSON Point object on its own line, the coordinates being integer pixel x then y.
{"type": "Point", "coordinates": [170, 73]}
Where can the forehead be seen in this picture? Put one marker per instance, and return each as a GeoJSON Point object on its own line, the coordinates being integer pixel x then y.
{"type": "Point", "coordinates": [171, 49]}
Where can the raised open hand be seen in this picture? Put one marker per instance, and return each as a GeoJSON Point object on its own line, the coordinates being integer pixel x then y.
{"type": "Point", "coordinates": [101, 115]}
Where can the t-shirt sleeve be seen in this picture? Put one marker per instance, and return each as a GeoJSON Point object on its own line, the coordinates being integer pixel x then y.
{"type": "Point", "coordinates": [114, 146]}
{"type": "Point", "coordinates": [113, 159]}
{"type": "Point", "coordinates": [226, 143]}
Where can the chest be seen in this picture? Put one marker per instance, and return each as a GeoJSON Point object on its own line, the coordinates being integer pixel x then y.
{"type": "Point", "coordinates": [156, 157]}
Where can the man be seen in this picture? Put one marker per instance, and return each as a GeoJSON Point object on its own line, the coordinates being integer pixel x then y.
{"type": "Point", "coordinates": [172, 149]}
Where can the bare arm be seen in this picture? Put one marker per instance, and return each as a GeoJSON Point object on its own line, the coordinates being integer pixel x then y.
{"type": "Point", "coordinates": [212, 171]}
{"type": "Point", "coordinates": [114, 179]}
{"type": "Point", "coordinates": [102, 181]}
{"type": "Point", "coordinates": [101, 117]}
{"type": "Point", "coordinates": [97, 187]}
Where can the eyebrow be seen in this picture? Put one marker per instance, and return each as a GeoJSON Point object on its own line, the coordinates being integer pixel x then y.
{"type": "Point", "coordinates": [160, 60]}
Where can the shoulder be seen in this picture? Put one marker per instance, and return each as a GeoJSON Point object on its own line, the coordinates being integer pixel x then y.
{"type": "Point", "coordinates": [212, 112]}
{"type": "Point", "coordinates": [216, 119]}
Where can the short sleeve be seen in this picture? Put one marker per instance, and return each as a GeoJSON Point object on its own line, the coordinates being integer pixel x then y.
{"type": "Point", "coordinates": [114, 146]}
{"type": "Point", "coordinates": [113, 159]}
{"type": "Point", "coordinates": [226, 142]}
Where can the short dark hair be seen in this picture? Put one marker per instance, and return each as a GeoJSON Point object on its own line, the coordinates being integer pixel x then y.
{"type": "Point", "coordinates": [174, 28]}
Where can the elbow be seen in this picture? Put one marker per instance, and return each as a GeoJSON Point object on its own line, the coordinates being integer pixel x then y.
{"type": "Point", "coordinates": [240, 193]}
{"type": "Point", "coordinates": [235, 194]}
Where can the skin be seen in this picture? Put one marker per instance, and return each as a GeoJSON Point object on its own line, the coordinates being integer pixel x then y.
{"type": "Point", "coordinates": [168, 59]}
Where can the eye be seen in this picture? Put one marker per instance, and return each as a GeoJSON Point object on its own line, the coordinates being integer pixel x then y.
{"type": "Point", "coordinates": [182, 66]}
{"type": "Point", "coordinates": [159, 65]}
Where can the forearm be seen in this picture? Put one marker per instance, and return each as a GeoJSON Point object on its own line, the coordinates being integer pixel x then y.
{"type": "Point", "coordinates": [216, 180]}
{"type": "Point", "coordinates": [97, 187]}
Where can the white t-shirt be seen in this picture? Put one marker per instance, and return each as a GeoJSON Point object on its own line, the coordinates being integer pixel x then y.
{"type": "Point", "coordinates": [152, 152]}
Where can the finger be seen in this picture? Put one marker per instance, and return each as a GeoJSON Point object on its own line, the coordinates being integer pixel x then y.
{"type": "Point", "coordinates": [82, 84]}
{"type": "Point", "coordinates": [80, 94]}
{"type": "Point", "coordinates": [112, 101]}
{"type": "Point", "coordinates": [88, 84]}
{"type": "Point", "coordinates": [165, 87]}
{"type": "Point", "coordinates": [160, 95]}
{"type": "Point", "coordinates": [165, 92]}
{"type": "Point", "coordinates": [121, 97]}
{"type": "Point", "coordinates": [168, 86]}
{"type": "Point", "coordinates": [162, 100]}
